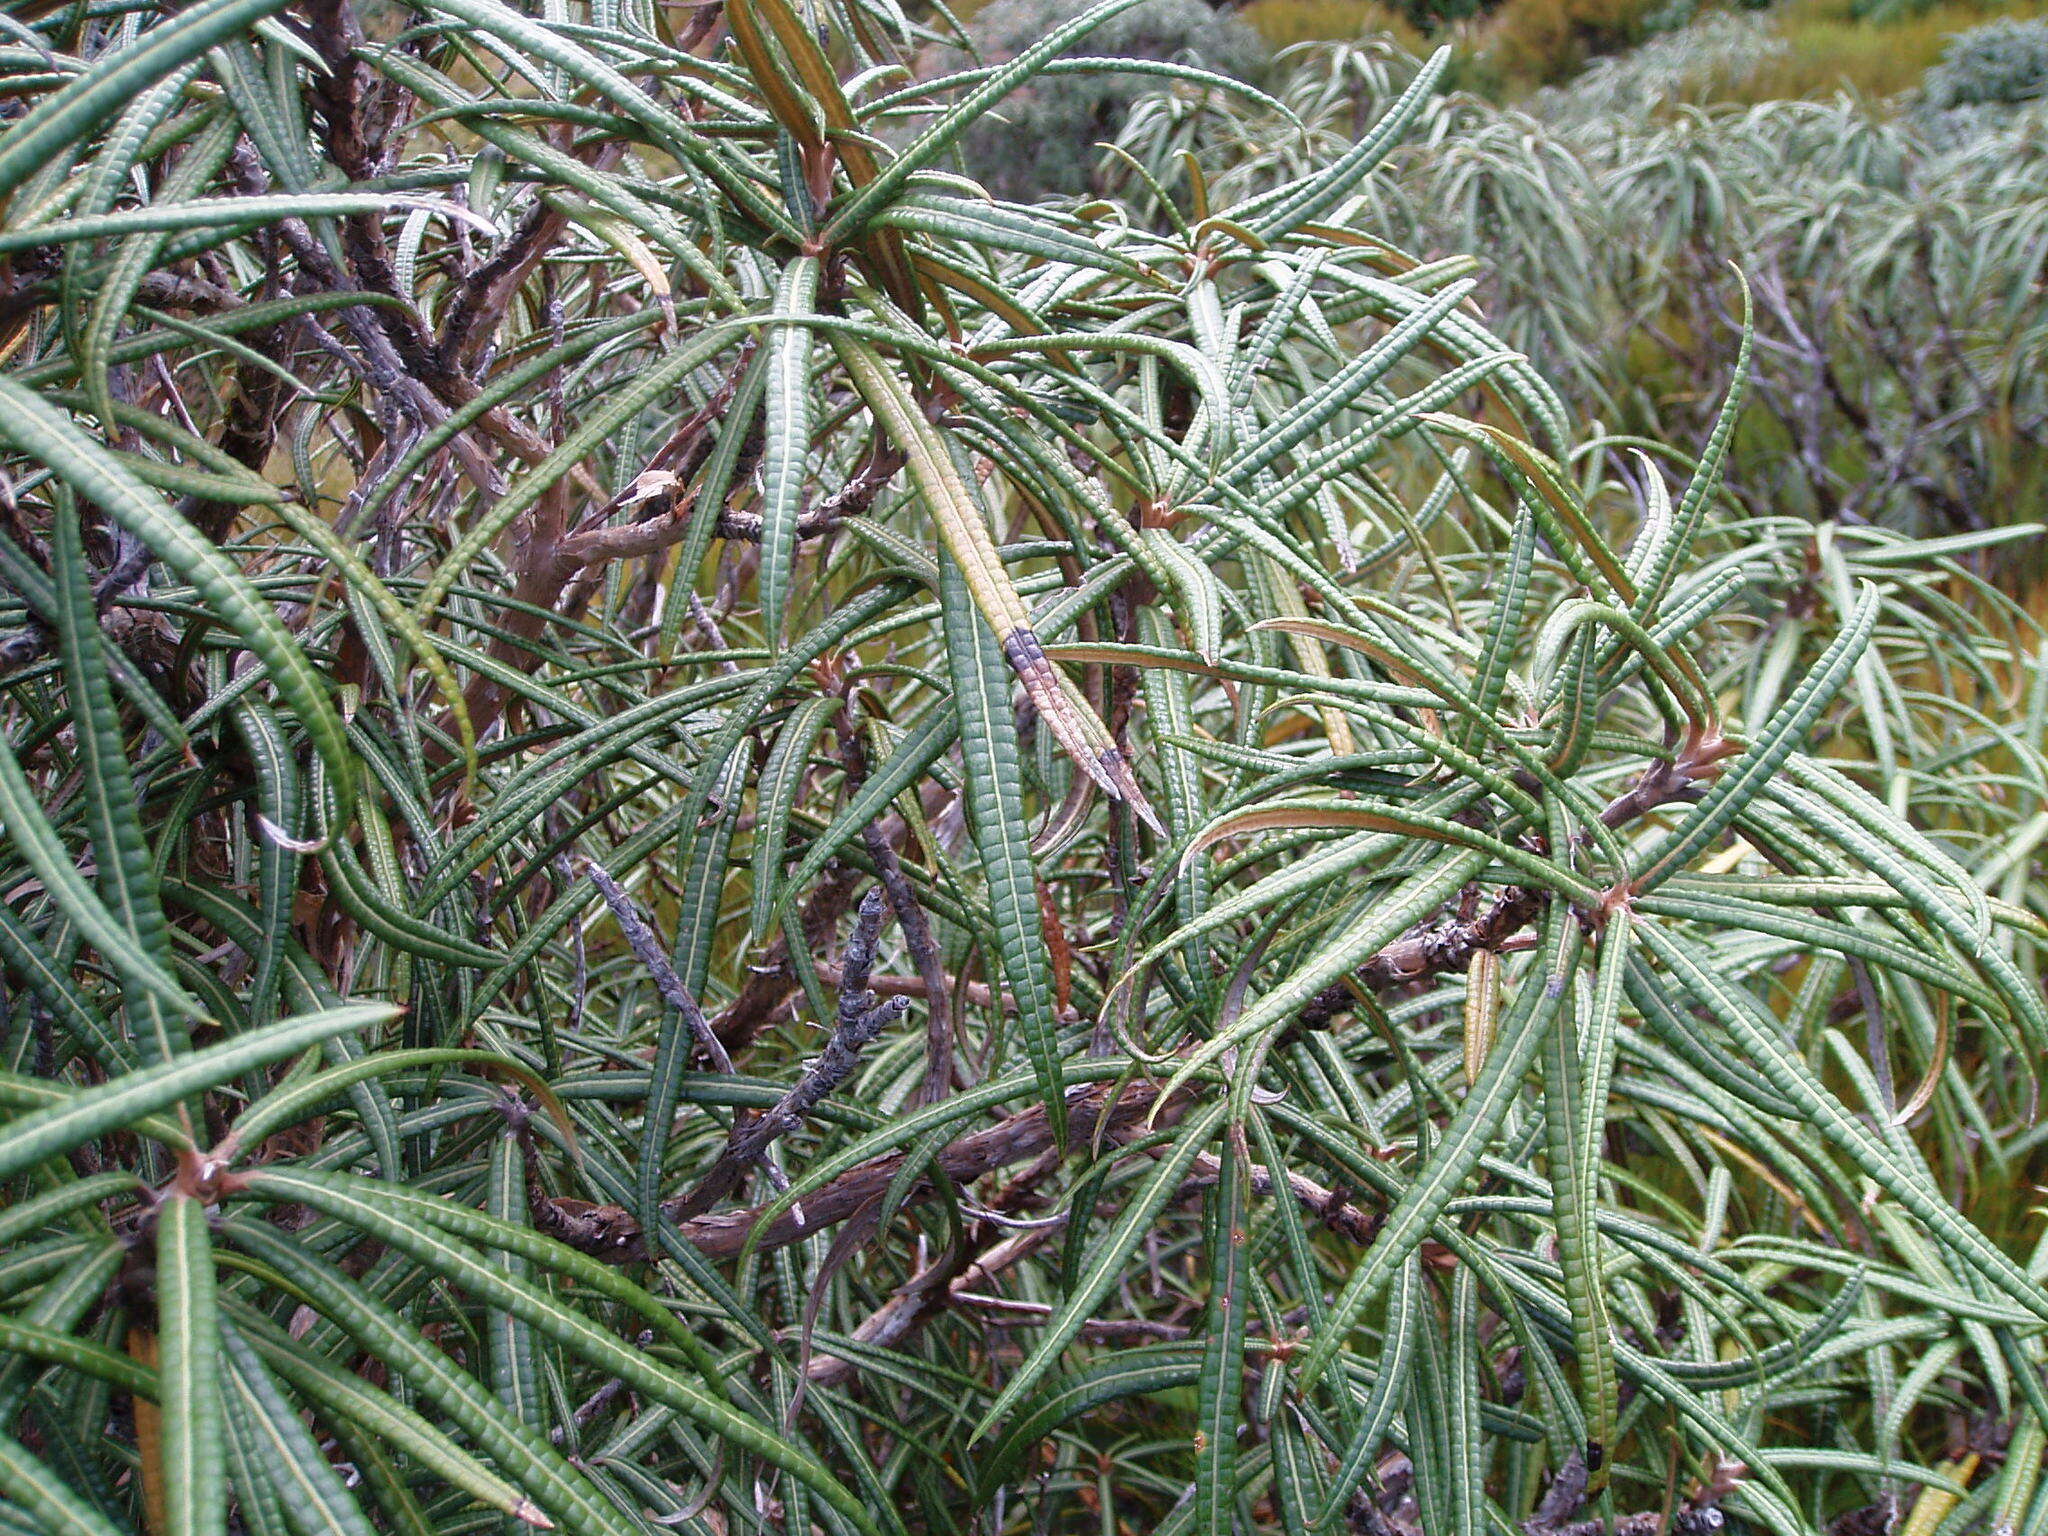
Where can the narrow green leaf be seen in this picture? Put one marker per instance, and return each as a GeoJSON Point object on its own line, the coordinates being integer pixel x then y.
{"type": "Point", "coordinates": [33, 427]}
{"type": "Point", "coordinates": [1817, 1107]}
{"type": "Point", "coordinates": [121, 855]}
{"type": "Point", "coordinates": [347, 1396]}
{"type": "Point", "coordinates": [1542, 993]}
{"type": "Point", "coordinates": [1104, 1263]}
{"type": "Point", "coordinates": [951, 124]}
{"type": "Point", "coordinates": [782, 780]}
{"type": "Point", "coordinates": [1289, 206]}
{"type": "Point", "coordinates": [461, 1266]}
{"type": "Point", "coordinates": [1745, 777]}
{"type": "Point", "coordinates": [305, 1481]}
{"type": "Point", "coordinates": [995, 807]}
{"type": "Point", "coordinates": [1222, 1382]}
{"type": "Point", "coordinates": [1128, 1373]}
{"type": "Point", "coordinates": [1405, 1305]}
{"type": "Point", "coordinates": [58, 122]}
{"type": "Point", "coordinates": [38, 1490]}
{"type": "Point", "coordinates": [1339, 954]}
{"type": "Point", "coordinates": [194, 1469]}
{"type": "Point", "coordinates": [1578, 1069]}
{"type": "Point", "coordinates": [559, 1488]}
{"type": "Point", "coordinates": [786, 440]}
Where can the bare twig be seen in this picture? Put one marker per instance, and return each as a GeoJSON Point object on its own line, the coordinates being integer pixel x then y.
{"type": "Point", "coordinates": [647, 949]}
{"type": "Point", "coordinates": [666, 519]}
{"type": "Point", "coordinates": [1698, 1515]}
{"type": "Point", "coordinates": [861, 1019]}
{"type": "Point", "coordinates": [1097, 1114]}
{"type": "Point", "coordinates": [833, 1066]}
{"type": "Point", "coordinates": [771, 981]}
{"type": "Point", "coordinates": [917, 931]}
{"type": "Point", "coordinates": [924, 953]}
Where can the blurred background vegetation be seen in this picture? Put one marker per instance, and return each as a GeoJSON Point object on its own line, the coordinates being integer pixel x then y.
{"type": "Point", "coordinates": [1876, 168]}
{"type": "Point", "coordinates": [1506, 48]}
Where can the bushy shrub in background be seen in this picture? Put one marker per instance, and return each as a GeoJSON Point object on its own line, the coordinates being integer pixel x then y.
{"type": "Point", "coordinates": [2001, 63]}
{"type": "Point", "coordinates": [1044, 138]}
{"type": "Point", "coordinates": [1681, 65]}
{"type": "Point", "coordinates": [1534, 43]}
{"type": "Point", "coordinates": [1895, 255]}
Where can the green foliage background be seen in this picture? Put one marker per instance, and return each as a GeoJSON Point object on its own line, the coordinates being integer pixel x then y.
{"type": "Point", "coordinates": [1894, 248]}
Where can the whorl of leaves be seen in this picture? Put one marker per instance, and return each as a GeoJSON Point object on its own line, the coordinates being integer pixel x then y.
{"type": "Point", "coordinates": [1454, 980]}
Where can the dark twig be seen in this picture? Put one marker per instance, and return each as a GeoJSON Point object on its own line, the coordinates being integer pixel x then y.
{"type": "Point", "coordinates": [598, 1401]}
{"type": "Point", "coordinates": [1329, 1206]}
{"type": "Point", "coordinates": [1561, 1500]}
{"type": "Point", "coordinates": [917, 929]}
{"type": "Point", "coordinates": [1697, 1516]}
{"type": "Point", "coordinates": [833, 1066]}
{"type": "Point", "coordinates": [707, 625]}
{"type": "Point", "coordinates": [1700, 1520]}
{"type": "Point", "coordinates": [666, 518]}
{"type": "Point", "coordinates": [770, 983]}
{"type": "Point", "coordinates": [1689, 1520]}
{"type": "Point", "coordinates": [1427, 951]}
{"type": "Point", "coordinates": [924, 954]}
{"type": "Point", "coordinates": [611, 1233]}
{"type": "Point", "coordinates": [648, 950]}
{"type": "Point", "coordinates": [1096, 1113]}
{"type": "Point", "coordinates": [132, 562]}
{"type": "Point", "coordinates": [949, 1280]}
{"type": "Point", "coordinates": [859, 961]}
{"type": "Point", "coordinates": [954, 1282]}
{"type": "Point", "coordinates": [861, 1019]}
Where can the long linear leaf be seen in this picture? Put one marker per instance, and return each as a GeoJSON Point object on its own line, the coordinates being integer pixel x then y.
{"type": "Point", "coordinates": [1105, 1260]}
{"type": "Point", "coordinates": [995, 804]}
{"type": "Point", "coordinates": [30, 425]}
{"type": "Point", "coordinates": [1522, 1033]}
{"type": "Point", "coordinates": [194, 1468]}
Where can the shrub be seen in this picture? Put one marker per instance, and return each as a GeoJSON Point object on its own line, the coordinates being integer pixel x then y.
{"type": "Point", "coordinates": [1697, 62]}
{"type": "Point", "coordinates": [1530, 43]}
{"type": "Point", "coordinates": [707, 835]}
{"type": "Point", "coordinates": [1044, 138]}
{"type": "Point", "coordinates": [2001, 63]}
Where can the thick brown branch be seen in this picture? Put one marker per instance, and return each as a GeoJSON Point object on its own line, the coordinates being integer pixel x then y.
{"type": "Point", "coordinates": [159, 290]}
{"type": "Point", "coordinates": [668, 518]}
{"type": "Point", "coordinates": [611, 1233]}
{"type": "Point", "coordinates": [1437, 948]}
